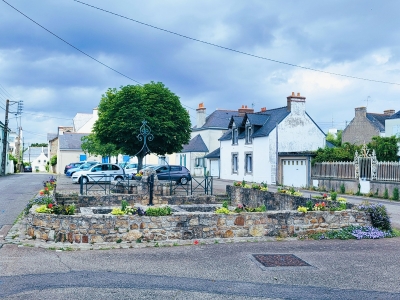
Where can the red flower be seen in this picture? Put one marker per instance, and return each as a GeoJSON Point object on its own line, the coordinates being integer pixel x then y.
{"type": "Point", "coordinates": [50, 205]}
{"type": "Point", "coordinates": [325, 195]}
{"type": "Point", "coordinates": [41, 193]}
{"type": "Point", "coordinates": [323, 204]}
{"type": "Point", "coordinates": [46, 188]}
{"type": "Point", "coordinates": [196, 242]}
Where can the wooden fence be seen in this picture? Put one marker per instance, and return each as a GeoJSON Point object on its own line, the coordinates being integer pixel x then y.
{"type": "Point", "coordinates": [365, 168]}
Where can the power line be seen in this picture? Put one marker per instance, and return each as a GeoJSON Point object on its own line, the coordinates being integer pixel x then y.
{"type": "Point", "coordinates": [84, 53]}
{"type": "Point", "coordinates": [40, 115]}
{"type": "Point", "coordinates": [234, 50]}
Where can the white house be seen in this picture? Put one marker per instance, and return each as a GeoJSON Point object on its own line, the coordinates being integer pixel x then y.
{"type": "Point", "coordinates": [37, 157]}
{"type": "Point", "coordinates": [201, 154]}
{"type": "Point", "coordinates": [392, 126]}
{"type": "Point", "coordinates": [249, 149]}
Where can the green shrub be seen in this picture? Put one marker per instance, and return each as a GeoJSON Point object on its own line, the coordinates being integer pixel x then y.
{"type": "Point", "coordinates": [379, 216]}
{"type": "Point", "coordinates": [225, 204]}
{"type": "Point", "coordinates": [53, 160]}
{"type": "Point", "coordinates": [386, 194]}
{"type": "Point", "coordinates": [333, 196]}
{"type": "Point", "coordinates": [396, 194]}
{"type": "Point", "coordinates": [309, 205]}
{"type": "Point", "coordinates": [342, 188]}
{"type": "Point", "coordinates": [158, 211]}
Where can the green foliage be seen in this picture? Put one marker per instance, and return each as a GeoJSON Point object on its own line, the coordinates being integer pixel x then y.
{"type": "Point", "coordinates": [337, 141]}
{"type": "Point", "coordinates": [53, 160]}
{"type": "Point", "coordinates": [386, 148]}
{"type": "Point", "coordinates": [309, 205]}
{"type": "Point", "coordinates": [333, 196]}
{"type": "Point", "coordinates": [379, 216]}
{"type": "Point", "coordinates": [396, 194]}
{"type": "Point", "coordinates": [225, 204]}
{"type": "Point", "coordinates": [158, 211]}
{"type": "Point", "coordinates": [64, 209]}
{"type": "Point", "coordinates": [343, 153]}
{"type": "Point", "coordinates": [222, 210]}
{"type": "Point", "coordinates": [342, 188]}
{"type": "Point", "coordinates": [386, 194]}
{"type": "Point", "coordinates": [122, 111]}
{"type": "Point", "coordinates": [39, 145]}
{"type": "Point", "coordinates": [124, 204]}
{"type": "Point", "coordinates": [92, 145]}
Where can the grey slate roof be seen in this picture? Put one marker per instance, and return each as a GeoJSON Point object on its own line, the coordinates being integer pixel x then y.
{"type": "Point", "coordinates": [214, 154]}
{"type": "Point", "coordinates": [33, 152]}
{"type": "Point", "coordinates": [395, 116]}
{"type": "Point", "coordinates": [378, 120]}
{"type": "Point", "coordinates": [218, 119]}
{"type": "Point", "coordinates": [272, 116]}
{"type": "Point", "coordinates": [51, 136]}
{"type": "Point", "coordinates": [196, 144]}
{"type": "Point", "coordinates": [226, 136]}
{"type": "Point", "coordinates": [71, 141]}
{"type": "Point", "coordinates": [256, 119]}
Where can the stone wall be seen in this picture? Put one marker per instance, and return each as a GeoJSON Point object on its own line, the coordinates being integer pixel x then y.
{"type": "Point", "coordinates": [272, 201]}
{"type": "Point", "coordinates": [116, 199]}
{"type": "Point", "coordinates": [351, 186]}
{"type": "Point", "coordinates": [186, 226]}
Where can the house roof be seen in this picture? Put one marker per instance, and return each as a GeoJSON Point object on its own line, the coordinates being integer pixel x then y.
{"type": "Point", "coordinates": [378, 120]}
{"type": "Point", "coordinates": [196, 144]}
{"type": "Point", "coordinates": [226, 136]}
{"type": "Point", "coordinates": [71, 141]}
{"type": "Point", "coordinates": [214, 154]}
{"type": "Point", "coordinates": [80, 120]}
{"type": "Point", "coordinates": [33, 153]}
{"type": "Point", "coordinates": [51, 136]}
{"type": "Point", "coordinates": [272, 117]}
{"type": "Point", "coordinates": [218, 119]}
{"type": "Point", "coordinates": [395, 116]}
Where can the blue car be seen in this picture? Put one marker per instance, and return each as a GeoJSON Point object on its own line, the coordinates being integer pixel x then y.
{"type": "Point", "coordinates": [85, 166]}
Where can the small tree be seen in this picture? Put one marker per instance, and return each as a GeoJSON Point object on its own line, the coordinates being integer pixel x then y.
{"type": "Point", "coordinates": [53, 160]}
{"type": "Point", "coordinates": [92, 145]}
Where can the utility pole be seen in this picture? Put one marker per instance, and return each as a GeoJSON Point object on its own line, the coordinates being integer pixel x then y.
{"type": "Point", "coordinates": [4, 153]}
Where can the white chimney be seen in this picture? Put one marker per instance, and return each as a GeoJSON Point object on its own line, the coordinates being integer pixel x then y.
{"type": "Point", "coordinates": [201, 115]}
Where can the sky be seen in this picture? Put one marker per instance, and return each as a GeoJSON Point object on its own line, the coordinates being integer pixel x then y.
{"type": "Point", "coordinates": [59, 57]}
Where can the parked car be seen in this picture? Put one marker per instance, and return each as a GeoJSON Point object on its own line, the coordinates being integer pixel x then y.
{"type": "Point", "coordinates": [131, 169]}
{"type": "Point", "coordinates": [179, 174]}
{"type": "Point", "coordinates": [73, 165]}
{"type": "Point", "coordinates": [82, 167]}
{"type": "Point", "coordinates": [99, 172]}
{"type": "Point", "coordinates": [27, 169]}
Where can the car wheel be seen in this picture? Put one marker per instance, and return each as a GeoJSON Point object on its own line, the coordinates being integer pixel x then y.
{"type": "Point", "coordinates": [119, 179]}
{"type": "Point", "coordinates": [84, 180]}
{"type": "Point", "coordinates": [183, 180]}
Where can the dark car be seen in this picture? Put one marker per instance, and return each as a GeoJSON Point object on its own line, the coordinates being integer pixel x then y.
{"type": "Point", "coordinates": [179, 174]}
{"type": "Point", "coordinates": [73, 165]}
{"type": "Point", "coordinates": [27, 169]}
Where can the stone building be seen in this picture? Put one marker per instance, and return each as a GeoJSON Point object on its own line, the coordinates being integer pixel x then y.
{"type": "Point", "coordinates": [365, 125]}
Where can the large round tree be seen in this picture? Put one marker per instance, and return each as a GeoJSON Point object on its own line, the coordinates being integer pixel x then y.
{"type": "Point", "coordinates": [121, 112]}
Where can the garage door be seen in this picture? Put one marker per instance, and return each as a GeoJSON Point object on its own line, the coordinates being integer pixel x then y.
{"type": "Point", "coordinates": [294, 172]}
{"type": "Point", "coordinates": [214, 168]}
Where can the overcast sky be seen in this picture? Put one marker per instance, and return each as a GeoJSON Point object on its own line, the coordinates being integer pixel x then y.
{"type": "Point", "coordinates": [271, 41]}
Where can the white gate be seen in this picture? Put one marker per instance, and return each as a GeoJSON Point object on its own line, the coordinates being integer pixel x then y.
{"type": "Point", "coordinates": [295, 172]}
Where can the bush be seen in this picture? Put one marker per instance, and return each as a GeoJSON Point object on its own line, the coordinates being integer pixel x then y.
{"type": "Point", "coordinates": [396, 194]}
{"type": "Point", "coordinates": [386, 194]}
{"type": "Point", "coordinates": [342, 188]}
{"type": "Point", "coordinates": [158, 211]}
{"type": "Point", "coordinates": [53, 160]}
{"type": "Point", "coordinates": [379, 216]}
{"type": "Point", "coordinates": [333, 196]}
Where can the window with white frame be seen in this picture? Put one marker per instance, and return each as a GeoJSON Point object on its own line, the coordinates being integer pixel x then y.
{"type": "Point", "coordinates": [249, 162]}
{"type": "Point", "coordinates": [249, 132]}
{"type": "Point", "coordinates": [235, 163]}
{"type": "Point", "coordinates": [234, 136]}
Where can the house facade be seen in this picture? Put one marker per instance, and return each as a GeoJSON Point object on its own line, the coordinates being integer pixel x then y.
{"type": "Point", "coordinates": [271, 146]}
{"type": "Point", "coordinates": [364, 126]}
{"type": "Point", "coordinates": [37, 157]}
{"type": "Point", "coordinates": [392, 127]}
{"type": "Point", "coordinates": [205, 141]}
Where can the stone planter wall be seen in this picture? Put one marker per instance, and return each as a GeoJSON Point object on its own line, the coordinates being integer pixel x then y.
{"type": "Point", "coordinates": [116, 199]}
{"type": "Point", "coordinates": [186, 226]}
{"type": "Point", "coordinates": [272, 201]}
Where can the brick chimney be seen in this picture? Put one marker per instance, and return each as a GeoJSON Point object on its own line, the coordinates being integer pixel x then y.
{"type": "Point", "coordinates": [361, 112]}
{"type": "Point", "coordinates": [296, 103]}
{"type": "Point", "coordinates": [244, 109]}
{"type": "Point", "coordinates": [263, 109]}
{"type": "Point", "coordinates": [389, 112]}
{"type": "Point", "coordinates": [201, 115]}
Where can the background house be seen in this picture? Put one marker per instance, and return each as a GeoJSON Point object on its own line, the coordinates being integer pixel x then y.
{"type": "Point", "coordinates": [37, 157]}
{"type": "Point", "coordinates": [364, 126]}
{"type": "Point", "coordinates": [392, 127]}
{"type": "Point", "coordinates": [271, 146]}
{"type": "Point", "coordinates": [205, 140]}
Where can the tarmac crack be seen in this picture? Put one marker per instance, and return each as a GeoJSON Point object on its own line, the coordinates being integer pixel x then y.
{"type": "Point", "coordinates": [63, 263]}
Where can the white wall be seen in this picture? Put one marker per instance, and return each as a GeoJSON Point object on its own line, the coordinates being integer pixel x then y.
{"type": "Point", "coordinates": [392, 127]}
{"type": "Point", "coordinates": [66, 157]}
{"type": "Point", "coordinates": [39, 163]}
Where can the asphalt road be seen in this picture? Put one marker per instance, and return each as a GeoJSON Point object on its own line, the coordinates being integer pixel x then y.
{"type": "Point", "coordinates": [350, 269]}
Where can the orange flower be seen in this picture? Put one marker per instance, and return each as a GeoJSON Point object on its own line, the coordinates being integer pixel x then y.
{"type": "Point", "coordinates": [41, 193]}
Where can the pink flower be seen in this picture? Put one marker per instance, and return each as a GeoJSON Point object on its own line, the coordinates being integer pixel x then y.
{"type": "Point", "coordinates": [196, 242]}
